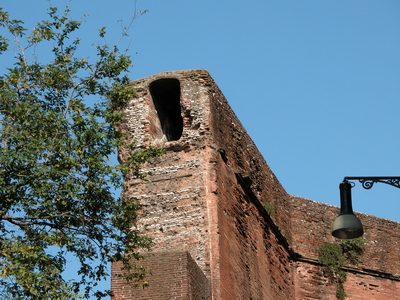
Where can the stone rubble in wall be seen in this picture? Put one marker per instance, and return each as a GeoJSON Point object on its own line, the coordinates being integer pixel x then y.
{"type": "Point", "coordinates": [147, 196]}
{"type": "Point", "coordinates": [172, 169]}
{"type": "Point", "coordinates": [184, 212]}
{"type": "Point", "coordinates": [135, 118]}
{"type": "Point", "coordinates": [175, 216]}
{"type": "Point", "coordinates": [174, 236]}
{"type": "Point", "coordinates": [175, 233]}
{"type": "Point", "coordinates": [189, 97]}
{"type": "Point", "coordinates": [164, 196]}
{"type": "Point", "coordinates": [178, 218]}
{"type": "Point", "coordinates": [173, 223]}
{"type": "Point", "coordinates": [192, 136]}
{"type": "Point", "coordinates": [195, 193]}
{"type": "Point", "coordinates": [173, 200]}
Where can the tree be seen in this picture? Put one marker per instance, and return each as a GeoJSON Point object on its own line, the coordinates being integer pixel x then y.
{"type": "Point", "coordinates": [57, 184]}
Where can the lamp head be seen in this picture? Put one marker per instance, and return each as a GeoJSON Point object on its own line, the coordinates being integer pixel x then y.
{"type": "Point", "coordinates": [346, 225]}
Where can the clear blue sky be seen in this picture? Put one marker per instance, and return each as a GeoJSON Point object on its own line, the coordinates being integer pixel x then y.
{"type": "Point", "coordinates": [316, 83]}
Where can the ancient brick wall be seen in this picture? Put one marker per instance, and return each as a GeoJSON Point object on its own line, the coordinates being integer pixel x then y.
{"type": "Point", "coordinates": [174, 275]}
{"type": "Point", "coordinates": [205, 198]}
{"type": "Point", "coordinates": [376, 276]}
{"type": "Point", "coordinates": [205, 194]}
{"type": "Point", "coordinates": [174, 207]}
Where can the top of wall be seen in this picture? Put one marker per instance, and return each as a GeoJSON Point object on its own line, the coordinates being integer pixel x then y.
{"type": "Point", "coordinates": [208, 121]}
{"type": "Point", "coordinates": [312, 225]}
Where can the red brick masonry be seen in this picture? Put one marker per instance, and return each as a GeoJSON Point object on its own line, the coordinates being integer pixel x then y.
{"type": "Point", "coordinates": [203, 205]}
{"type": "Point", "coordinates": [175, 275]}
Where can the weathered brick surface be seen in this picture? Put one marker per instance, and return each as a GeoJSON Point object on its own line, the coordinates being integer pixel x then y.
{"type": "Point", "coordinates": [174, 276]}
{"type": "Point", "coordinates": [367, 287]}
{"type": "Point", "coordinates": [253, 263]}
{"type": "Point", "coordinates": [312, 228]}
{"type": "Point", "coordinates": [173, 208]}
{"type": "Point", "coordinates": [206, 194]}
{"type": "Point", "coordinates": [376, 276]}
{"type": "Point", "coordinates": [311, 284]}
{"type": "Point", "coordinates": [243, 157]}
{"type": "Point", "coordinates": [173, 198]}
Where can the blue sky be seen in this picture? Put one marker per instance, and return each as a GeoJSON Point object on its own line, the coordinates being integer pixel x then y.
{"type": "Point", "coordinates": [316, 83]}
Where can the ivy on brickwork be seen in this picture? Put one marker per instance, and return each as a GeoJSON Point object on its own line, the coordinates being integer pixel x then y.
{"type": "Point", "coordinates": [333, 256]}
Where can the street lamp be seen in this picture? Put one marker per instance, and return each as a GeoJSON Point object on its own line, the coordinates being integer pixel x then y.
{"type": "Point", "coordinates": [347, 225]}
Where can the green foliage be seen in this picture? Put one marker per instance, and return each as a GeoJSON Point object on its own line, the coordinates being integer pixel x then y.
{"type": "Point", "coordinates": [332, 259]}
{"type": "Point", "coordinates": [56, 182]}
{"type": "Point", "coordinates": [269, 208]}
{"type": "Point", "coordinates": [333, 256]}
{"type": "Point", "coordinates": [353, 248]}
{"type": "Point", "coordinates": [340, 292]}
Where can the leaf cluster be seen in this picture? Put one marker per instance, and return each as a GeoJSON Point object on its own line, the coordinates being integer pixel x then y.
{"type": "Point", "coordinates": [333, 257]}
{"type": "Point", "coordinates": [353, 248]}
{"type": "Point", "coordinates": [57, 184]}
{"type": "Point", "coordinates": [269, 208]}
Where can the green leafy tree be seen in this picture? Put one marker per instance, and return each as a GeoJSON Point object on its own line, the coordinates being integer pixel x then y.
{"type": "Point", "coordinates": [57, 185]}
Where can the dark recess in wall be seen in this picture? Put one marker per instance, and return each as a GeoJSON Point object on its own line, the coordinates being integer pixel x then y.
{"type": "Point", "coordinates": [166, 94]}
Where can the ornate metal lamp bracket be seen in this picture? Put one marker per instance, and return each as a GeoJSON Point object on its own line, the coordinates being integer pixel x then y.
{"type": "Point", "coordinates": [368, 182]}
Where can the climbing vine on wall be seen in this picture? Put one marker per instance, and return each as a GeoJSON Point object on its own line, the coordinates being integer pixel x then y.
{"type": "Point", "coordinates": [333, 256]}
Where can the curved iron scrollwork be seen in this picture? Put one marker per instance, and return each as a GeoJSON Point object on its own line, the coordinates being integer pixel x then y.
{"type": "Point", "coordinates": [368, 182]}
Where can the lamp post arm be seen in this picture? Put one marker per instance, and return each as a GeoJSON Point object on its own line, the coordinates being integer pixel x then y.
{"type": "Point", "coordinates": [368, 181]}
{"type": "Point", "coordinates": [347, 225]}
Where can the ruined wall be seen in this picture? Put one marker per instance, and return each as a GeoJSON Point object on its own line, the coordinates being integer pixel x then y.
{"type": "Point", "coordinates": [205, 194]}
{"type": "Point", "coordinates": [242, 157]}
{"type": "Point", "coordinates": [173, 199]}
{"type": "Point", "coordinates": [204, 205]}
{"type": "Point", "coordinates": [174, 276]}
{"type": "Point", "coordinates": [376, 276]}
{"type": "Point", "coordinates": [253, 259]}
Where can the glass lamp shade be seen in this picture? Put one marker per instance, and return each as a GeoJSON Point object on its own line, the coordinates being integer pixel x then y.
{"type": "Point", "coordinates": [347, 226]}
